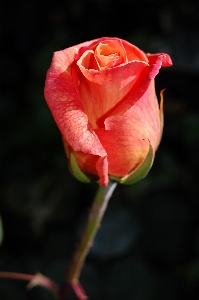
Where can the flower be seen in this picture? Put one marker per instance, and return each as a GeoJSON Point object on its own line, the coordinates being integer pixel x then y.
{"type": "Point", "coordinates": [101, 94]}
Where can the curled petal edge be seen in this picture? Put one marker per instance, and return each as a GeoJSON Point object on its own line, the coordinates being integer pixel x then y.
{"type": "Point", "coordinates": [101, 167]}
{"type": "Point", "coordinates": [140, 172]}
{"type": "Point", "coordinates": [166, 60]}
{"type": "Point", "coordinates": [129, 101]}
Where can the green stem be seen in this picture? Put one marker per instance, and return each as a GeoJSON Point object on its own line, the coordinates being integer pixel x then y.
{"type": "Point", "coordinates": [96, 214]}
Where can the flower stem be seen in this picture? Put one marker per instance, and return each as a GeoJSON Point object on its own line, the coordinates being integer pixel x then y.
{"type": "Point", "coordinates": [96, 214]}
{"type": "Point", "coordinates": [34, 280]}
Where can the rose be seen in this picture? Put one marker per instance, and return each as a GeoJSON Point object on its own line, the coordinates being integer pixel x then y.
{"type": "Point", "coordinates": [102, 96]}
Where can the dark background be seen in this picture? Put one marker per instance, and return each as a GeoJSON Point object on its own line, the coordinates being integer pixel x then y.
{"type": "Point", "coordinates": [148, 245]}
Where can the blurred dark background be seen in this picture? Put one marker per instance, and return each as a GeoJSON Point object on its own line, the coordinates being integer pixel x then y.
{"type": "Point", "coordinates": [148, 245]}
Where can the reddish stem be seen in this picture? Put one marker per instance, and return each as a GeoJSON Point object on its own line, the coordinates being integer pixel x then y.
{"type": "Point", "coordinates": [34, 280]}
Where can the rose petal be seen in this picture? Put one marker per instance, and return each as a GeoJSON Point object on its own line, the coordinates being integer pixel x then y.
{"type": "Point", "coordinates": [126, 138]}
{"type": "Point", "coordinates": [134, 53]}
{"type": "Point", "coordinates": [86, 162]}
{"type": "Point", "coordinates": [110, 53]}
{"type": "Point", "coordinates": [102, 169]}
{"type": "Point", "coordinates": [93, 165]}
{"type": "Point", "coordinates": [140, 87]}
{"type": "Point", "coordinates": [166, 60]}
{"type": "Point", "coordinates": [123, 155]}
{"type": "Point", "coordinates": [65, 105]}
{"type": "Point", "coordinates": [87, 59]}
{"type": "Point", "coordinates": [101, 91]}
{"type": "Point", "coordinates": [93, 44]}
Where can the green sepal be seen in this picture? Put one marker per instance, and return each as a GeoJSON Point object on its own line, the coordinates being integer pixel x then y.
{"type": "Point", "coordinates": [161, 111]}
{"type": "Point", "coordinates": [161, 114]}
{"type": "Point", "coordinates": [76, 171]}
{"type": "Point", "coordinates": [140, 172]}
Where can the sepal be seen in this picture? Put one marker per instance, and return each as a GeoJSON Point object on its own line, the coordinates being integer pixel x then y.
{"type": "Point", "coordinates": [140, 172]}
{"type": "Point", "coordinates": [161, 112]}
{"type": "Point", "coordinates": [76, 171]}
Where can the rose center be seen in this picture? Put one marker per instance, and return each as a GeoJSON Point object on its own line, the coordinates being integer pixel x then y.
{"type": "Point", "coordinates": [108, 56]}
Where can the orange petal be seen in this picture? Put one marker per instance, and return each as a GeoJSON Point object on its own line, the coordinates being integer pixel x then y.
{"type": "Point", "coordinates": [126, 137]}
{"type": "Point", "coordinates": [65, 105]}
{"type": "Point", "coordinates": [123, 155]}
{"type": "Point", "coordinates": [101, 91]}
{"type": "Point", "coordinates": [110, 53]}
{"type": "Point", "coordinates": [93, 165]}
{"type": "Point", "coordinates": [139, 88]}
{"type": "Point", "coordinates": [134, 53]}
{"type": "Point", "coordinates": [102, 170]}
{"type": "Point", "coordinates": [166, 60]}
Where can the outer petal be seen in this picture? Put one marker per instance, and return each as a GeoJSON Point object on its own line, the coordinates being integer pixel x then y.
{"type": "Point", "coordinates": [65, 105]}
{"type": "Point", "coordinates": [126, 137]}
{"type": "Point", "coordinates": [140, 171]}
{"type": "Point", "coordinates": [92, 165]}
{"type": "Point", "coordinates": [142, 85]}
{"type": "Point", "coordinates": [166, 60]}
{"type": "Point", "coordinates": [102, 169]}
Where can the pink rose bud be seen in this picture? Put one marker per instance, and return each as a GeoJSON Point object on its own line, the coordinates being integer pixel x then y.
{"type": "Point", "coordinates": [102, 96]}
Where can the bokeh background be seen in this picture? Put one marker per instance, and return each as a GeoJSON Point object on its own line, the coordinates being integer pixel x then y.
{"type": "Point", "coordinates": [148, 245]}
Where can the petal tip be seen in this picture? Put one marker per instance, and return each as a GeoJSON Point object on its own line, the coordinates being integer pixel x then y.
{"type": "Point", "coordinates": [166, 60]}
{"type": "Point", "coordinates": [102, 169]}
